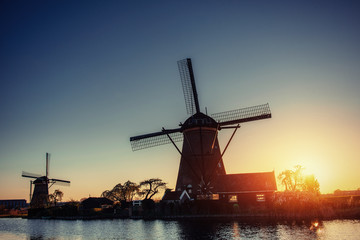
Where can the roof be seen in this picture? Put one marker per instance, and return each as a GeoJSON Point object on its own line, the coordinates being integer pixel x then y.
{"type": "Point", "coordinates": [246, 182]}
{"type": "Point", "coordinates": [11, 200]}
{"type": "Point", "coordinates": [176, 196]}
{"type": "Point", "coordinates": [168, 196]}
{"type": "Point", "coordinates": [93, 202]}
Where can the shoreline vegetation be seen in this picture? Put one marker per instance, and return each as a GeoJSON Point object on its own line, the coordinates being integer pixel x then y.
{"type": "Point", "coordinates": [284, 206]}
{"type": "Point", "coordinates": [287, 206]}
{"type": "Point", "coordinates": [301, 200]}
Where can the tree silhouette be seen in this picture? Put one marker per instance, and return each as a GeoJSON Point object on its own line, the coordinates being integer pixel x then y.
{"type": "Point", "coordinates": [150, 187]}
{"type": "Point", "coordinates": [294, 180]}
{"type": "Point", "coordinates": [122, 192]}
{"type": "Point", "coordinates": [298, 177]}
{"type": "Point", "coordinates": [286, 179]}
{"type": "Point", "coordinates": [311, 184]}
{"type": "Point", "coordinates": [130, 189]}
{"type": "Point", "coordinates": [56, 196]}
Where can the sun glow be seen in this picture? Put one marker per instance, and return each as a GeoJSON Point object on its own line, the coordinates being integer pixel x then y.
{"type": "Point", "coordinates": [314, 165]}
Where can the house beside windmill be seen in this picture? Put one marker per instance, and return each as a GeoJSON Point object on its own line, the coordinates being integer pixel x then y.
{"type": "Point", "coordinates": [247, 188]}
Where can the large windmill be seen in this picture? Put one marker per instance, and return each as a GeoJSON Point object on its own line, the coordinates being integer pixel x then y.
{"type": "Point", "coordinates": [40, 196]}
{"type": "Point", "coordinates": [201, 159]}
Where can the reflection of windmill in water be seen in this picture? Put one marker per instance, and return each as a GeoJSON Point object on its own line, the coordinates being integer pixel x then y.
{"type": "Point", "coordinates": [201, 160]}
{"type": "Point", "coordinates": [40, 196]}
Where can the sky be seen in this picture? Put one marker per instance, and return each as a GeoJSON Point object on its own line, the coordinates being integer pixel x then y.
{"type": "Point", "coordinates": [79, 78]}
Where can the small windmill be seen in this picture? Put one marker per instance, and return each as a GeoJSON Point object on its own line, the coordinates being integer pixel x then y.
{"type": "Point", "coordinates": [201, 160]}
{"type": "Point", "coordinates": [40, 196]}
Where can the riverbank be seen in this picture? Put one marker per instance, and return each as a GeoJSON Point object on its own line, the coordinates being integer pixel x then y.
{"type": "Point", "coordinates": [346, 214]}
{"type": "Point", "coordinates": [291, 207]}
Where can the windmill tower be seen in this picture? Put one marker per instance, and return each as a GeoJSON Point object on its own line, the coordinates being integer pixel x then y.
{"type": "Point", "coordinates": [201, 159]}
{"type": "Point", "coordinates": [40, 196]}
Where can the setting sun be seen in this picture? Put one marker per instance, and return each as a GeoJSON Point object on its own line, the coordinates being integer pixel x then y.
{"type": "Point", "coordinates": [314, 165]}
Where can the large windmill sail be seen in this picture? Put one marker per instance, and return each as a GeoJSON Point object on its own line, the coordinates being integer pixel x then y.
{"type": "Point", "coordinates": [242, 115]}
{"type": "Point", "coordinates": [188, 85]}
{"type": "Point", "coordinates": [155, 139]}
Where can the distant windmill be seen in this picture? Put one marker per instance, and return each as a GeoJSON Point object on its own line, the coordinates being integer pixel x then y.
{"type": "Point", "coordinates": [201, 160]}
{"type": "Point", "coordinates": [40, 196]}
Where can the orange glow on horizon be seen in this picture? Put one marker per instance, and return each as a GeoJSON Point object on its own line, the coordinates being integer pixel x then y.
{"type": "Point", "coordinates": [314, 165]}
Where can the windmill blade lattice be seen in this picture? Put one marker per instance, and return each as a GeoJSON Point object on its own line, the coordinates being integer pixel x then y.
{"type": "Point", "coordinates": [188, 85]}
{"type": "Point", "coordinates": [138, 143]}
{"type": "Point", "coordinates": [59, 182]}
{"type": "Point", "coordinates": [243, 115]}
{"type": "Point", "coordinates": [30, 175]}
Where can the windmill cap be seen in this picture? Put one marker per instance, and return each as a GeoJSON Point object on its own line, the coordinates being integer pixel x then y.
{"type": "Point", "coordinates": [199, 120]}
{"type": "Point", "coordinates": [40, 179]}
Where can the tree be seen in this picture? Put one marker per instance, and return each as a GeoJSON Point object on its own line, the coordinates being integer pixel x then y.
{"type": "Point", "coordinates": [298, 176]}
{"type": "Point", "coordinates": [286, 179]}
{"type": "Point", "coordinates": [150, 187]}
{"type": "Point", "coordinates": [56, 196]}
{"type": "Point", "coordinates": [114, 194]}
{"type": "Point", "coordinates": [311, 184]}
{"type": "Point", "coordinates": [117, 192]}
{"type": "Point", "coordinates": [292, 179]}
{"type": "Point", "coordinates": [130, 189]}
{"type": "Point", "coordinates": [122, 192]}
{"type": "Point", "coordinates": [109, 194]}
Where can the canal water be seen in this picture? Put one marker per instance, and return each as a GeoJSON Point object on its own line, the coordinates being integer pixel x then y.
{"type": "Point", "coordinates": [17, 228]}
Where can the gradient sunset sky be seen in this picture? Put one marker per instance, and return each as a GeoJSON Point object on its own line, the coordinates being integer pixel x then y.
{"type": "Point", "coordinates": [79, 78]}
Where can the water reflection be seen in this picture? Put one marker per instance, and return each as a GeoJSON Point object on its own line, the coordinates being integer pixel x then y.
{"type": "Point", "coordinates": [246, 230]}
{"type": "Point", "coordinates": [189, 229]}
{"type": "Point", "coordinates": [236, 232]}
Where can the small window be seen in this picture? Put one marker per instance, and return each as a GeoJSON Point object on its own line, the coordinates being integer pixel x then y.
{"type": "Point", "coordinates": [260, 197]}
{"type": "Point", "coordinates": [233, 198]}
{"type": "Point", "coordinates": [215, 197]}
{"type": "Point", "coordinates": [137, 203]}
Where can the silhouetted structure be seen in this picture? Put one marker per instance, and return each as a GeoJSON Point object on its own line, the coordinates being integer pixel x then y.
{"type": "Point", "coordinates": [40, 196]}
{"type": "Point", "coordinates": [13, 203]}
{"type": "Point", "coordinates": [177, 196]}
{"type": "Point", "coordinates": [201, 162]}
{"type": "Point", "coordinates": [94, 202]}
{"type": "Point", "coordinates": [247, 188]}
{"type": "Point", "coordinates": [339, 192]}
